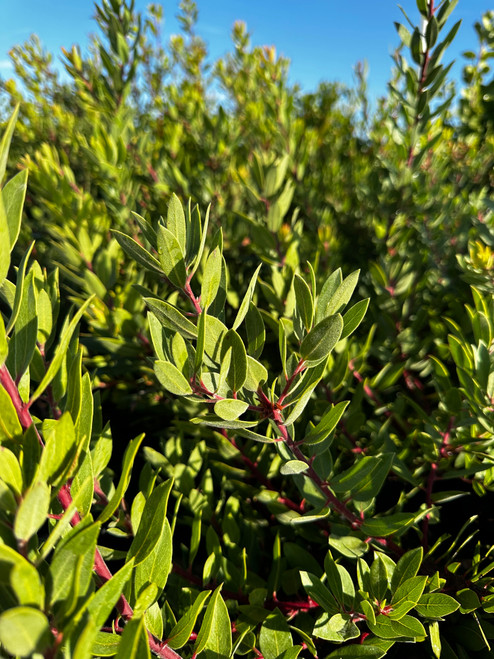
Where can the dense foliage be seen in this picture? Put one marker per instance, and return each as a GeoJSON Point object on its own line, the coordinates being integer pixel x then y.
{"type": "Point", "coordinates": [246, 351]}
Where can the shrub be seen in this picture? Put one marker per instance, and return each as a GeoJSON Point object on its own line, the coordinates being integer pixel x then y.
{"type": "Point", "coordinates": [310, 357]}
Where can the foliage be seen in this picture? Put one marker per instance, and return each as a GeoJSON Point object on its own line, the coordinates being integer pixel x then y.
{"type": "Point", "coordinates": [272, 435]}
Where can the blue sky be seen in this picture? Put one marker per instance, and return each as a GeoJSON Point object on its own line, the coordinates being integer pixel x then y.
{"type": "Point", "coordinates": [323, 38]}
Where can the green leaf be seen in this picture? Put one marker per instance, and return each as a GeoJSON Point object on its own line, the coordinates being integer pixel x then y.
{"type": "Point", "coordinates": [156, 567]}
{"type": "Point", "coordinates": [196, 255]}
{"type": "Point", "coordinates": [436, 605]}
{"type": "Point", "coordinates": [101, 603]}
{"type": "Point", "coordinates": [23, 342]}
{"type": "Point", "coordinates": [171, 318]}
{"type": "Point", "coordinates": [319, 592]}
{"type": "Point", "coordinates": [348, 545]}
{"type": "Point", "coordinates": [342, 295]}
{"type": "Point", "coordinates": [22, 576]}
{"type": "Point", "coordinates": [256, 334]}
{"type": "Point", "coordinates": [468, 599]}
{"type": "Point", "coordinates": [215, 422]}
{"type": "Point", "coordinates": [64, 567]}
{"type": "Point", "coordinates": [247, 301]}
{"type": "Point", "coordinates": [423, 7]}
{"type": "Point", "coordinates": [4, 244]}
{"type": "Point", "coordinates": [416, 46]}
{"type": "Point", "coordinates": [171, 257]}
{"type": "Point", "coordinates": [322, 338]}
{"type": "Point", "coordinates": [32, 512]}
{"type": "Point", "coordinates": [384, 526]}
{"type": "Point", "coordinates": [407, 596]}
{"type": "Point", "coordinates": [328, 290]}
{"type": "Point", "coordinates": [129, 456]}
{"type": "Point", "coordinates": [181, 632]}
{"type": "Point", "coordinates": [404, 34]}
{"type": "Point", "coordinates": [137, 252]}
{"type": "Point", "coordinates": [407, 567]}
{"type": "Point", "coordinates": [171, 379]}
{"type": "Point", "coordinates": [201, 341]}
{"type": "Point", "coordinates": [215, 634]}
{"type": "Point", "coordinates": [211, 278]}
{"type": "Point", "coordinates": [357, 652]}
{"type": "Point", "coordinates": [337, 628]}
{"type": "Point", "coordinates": [431, 32]}
{"type": "Point", "coordinates": [175, 221]}
{"type": "Point", "coordinates": [10, 426]}
{"type": "Point", "coordinates": [230, 408]}
{"type": "Point", "coordinates": [275, 636]}
{"type": "Point", "coordinates": [106, 645]}
{"type": "Point", "coordinates": [61, 351]}
{"type": "Point", "coordinates": [4, 346]}
{"type": "Point", "coordinates": [237, 372]}
{"type": "Point", "coordinates": [59, 452]}
{"type": "Point", "coordinates": [445, 11]}
{"type": "Point", "coordinates": [365, 478]}
{"type": "Point", "coordinates": [304, 392]}
{"type": "Point", "coordinates": [14, 193]}
{"type": "Point", "coordinates": [146, 228]}
{"type": "Point", "coordinates": [407, 627]}
{"type": "Point", "coordinates": [304, 301]}
{"type": "Point", "coordinates": [5, 143]}
{"type": "Point", "coordinates": [327, 424]}
{"type": "Point", "coordinates": [353, 317]}
{"type": "Point", "coordinates": [293, 467]}
{"type": "Point", "coordinates": [378, 578]}
{"type": "Point", "coordinates": [24, 631]}
{"type": "Point", "coordinates": [134, 643]}
{"type": "Point", "coordinates": [152, 523]}
{"type": "Point", "coordinates": [256, 374]}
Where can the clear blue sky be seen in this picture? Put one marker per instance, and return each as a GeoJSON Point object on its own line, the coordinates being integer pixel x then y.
{"type": "Point", "coordinates": [323, 38]}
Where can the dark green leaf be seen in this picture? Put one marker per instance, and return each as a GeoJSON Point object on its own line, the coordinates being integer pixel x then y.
{"type": "Point", "coordinates": [407, 567]}
{"type": "Point", "coordinates": [365, 478]}
{"type": "Point", "coordinates": [342, 295]}
{"type": "Point", "coordinates": [327, 424]}
{"type": "Point", "coordinates": [175, 221]}
{"type": "Point", "coordinates": [134, 643]}
{"type": "Point", "coordinates": [247, 300]}
{"type": "Point", "coordinates": [129, 456]}
{"type": "Point", "coordinates": [101, 603]}
{"type": "Point", "coordinates": [275, 636]}
{"type": "Point", "coordinates": [305, 303]}
{"type": "Point", "coordinates": [152, 523]}
{"type": "Point", "coordinates": [171, 257]}
{"type": "Point", "coordinates": [171, 318]}
{"type": "Point", "coordinates": [13, 195]}
{"type": "Point", "coordinates": [60, 351]}
{"type": "Point", "coordinates": [321, 339]}
{"type": "Point", "coordinates": [137, 252]}
{"type": "Point", "coordinates": [211, 278]}
{"type": "Point", "coordinates": [181, 632]}
{"type": "Point", "coordinates": [353, 317]}
{"type": "Point", "coordinates": [237, 371]}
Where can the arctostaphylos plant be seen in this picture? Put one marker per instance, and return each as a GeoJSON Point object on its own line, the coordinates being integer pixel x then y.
{"type": "Point", "coordinates": [311, 357]}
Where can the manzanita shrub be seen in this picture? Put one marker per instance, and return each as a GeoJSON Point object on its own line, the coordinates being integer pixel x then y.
{"type": "Point", "coordinates": [255, 417]}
